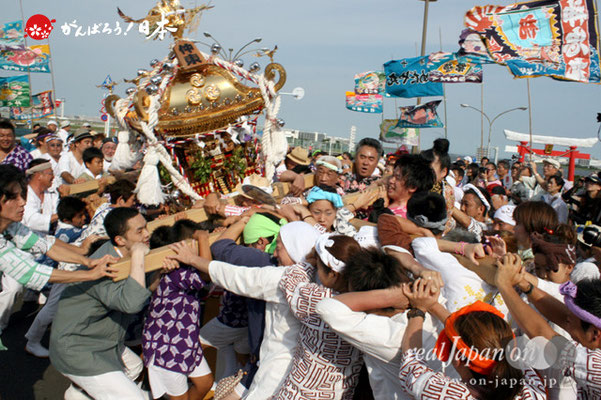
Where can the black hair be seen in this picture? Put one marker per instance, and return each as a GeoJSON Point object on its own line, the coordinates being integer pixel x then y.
{"type": "Point", "coordinates": [9, 176]}
{"type": "Point", "coordinates": [370, 142]}
{"type": "Point", "coordinates": [116, 221]}
{"type": "Point", "coordinates": [371, 269]}
{"type": "Point", "coordinates": [91, 153]}
{"type": "Point", "coordinates": [96, 245]}
{"type": "Point", "coordinates": [482, 160]}
{"type": "Point", "coordinates": [439, 149]}
{"type": "Point", "coordinates": [6, 124]}
{"type": "Point", "coordinates": [588, 297]}
{"type": "Point", "coordinates": [474, 168]}
{"type": "Point", "coordinates": [493, 165]}
{"type": "Point", "coordinates": [184, 228]}
{"type": "Point", "coordinates": [429, 204]}
{"type": "Point", "coordinates": [162, 236]}
{"type": "Point", "coordinates": [121, 188]}
{"type": "Point", "coordinates": [504, 163]}
{"type": "Point", "coordinates": [460, 173]}
{"type": "Point", "coordinates": [346, 153]}
{"type": "Point", "coordinates": [558, 180]}
{"type": "Point", "coordinates": [416, 171]}
{"type": "Point", "coordinates": [302, 169]}
{"type": "Point", "coordinates": [68, 207]}
{"type": "Point", "coordinates": [41, 134]}
{"type": "Point", "coordinates": [498, 190]}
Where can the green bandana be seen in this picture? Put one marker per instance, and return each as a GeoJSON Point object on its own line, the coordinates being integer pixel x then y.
{"type": "Point", "coordinates": [259, 226]}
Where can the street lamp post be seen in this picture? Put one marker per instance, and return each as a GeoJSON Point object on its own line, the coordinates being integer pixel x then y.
{"type": "Point", "coordinates": [490, 123]}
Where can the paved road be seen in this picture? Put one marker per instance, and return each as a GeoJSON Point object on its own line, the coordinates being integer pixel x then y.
{"type": "Point", "coordinates": [25, 377]}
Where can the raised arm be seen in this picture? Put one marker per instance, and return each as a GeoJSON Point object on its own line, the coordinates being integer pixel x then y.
{"type": "Point", "coordinates": [509, 273]}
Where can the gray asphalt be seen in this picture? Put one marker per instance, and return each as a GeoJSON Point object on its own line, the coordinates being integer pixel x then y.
{"type": "Point", "coordinates": [23, 376]}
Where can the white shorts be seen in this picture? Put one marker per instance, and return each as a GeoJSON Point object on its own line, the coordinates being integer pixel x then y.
{"type": "Point", "coordinates": [163, 381]}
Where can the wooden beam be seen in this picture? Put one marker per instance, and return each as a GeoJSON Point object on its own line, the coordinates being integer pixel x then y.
{"type": "Point", "coordinates": [152, 261]}
{"type": "Point", "coordinates": [87, 186]}
{"type": "Point", "coordinates": [199, 215]}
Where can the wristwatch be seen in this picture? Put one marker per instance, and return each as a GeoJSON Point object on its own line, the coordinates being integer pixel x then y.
{"type": "Point", "coordinates": [415, 312]}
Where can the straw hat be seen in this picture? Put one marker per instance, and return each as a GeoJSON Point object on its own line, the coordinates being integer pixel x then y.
{"type": "Point", "coordinates": [299, 156]}
{"type": "Point", "coordinates": [255, 180]}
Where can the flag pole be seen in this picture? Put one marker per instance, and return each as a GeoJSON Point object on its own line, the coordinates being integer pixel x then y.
{"type": "Point", "coordinates": [529, 116]}
{"type": "Point", "coordinates": [444, 92]}
{"type": "Point", "coordinates": [52, 77]}
{"type": "Point", "coordinates": [28, 70]}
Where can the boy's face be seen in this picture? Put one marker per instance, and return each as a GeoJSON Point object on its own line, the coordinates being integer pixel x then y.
{"type": "Point", "coordinates": [95, 166]}
{"type": "Point", "coordinates": [78, 220]}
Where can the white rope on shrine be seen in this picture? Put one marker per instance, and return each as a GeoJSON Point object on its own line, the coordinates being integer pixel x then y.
{"type": "Point", "coordinates": [124, 157]}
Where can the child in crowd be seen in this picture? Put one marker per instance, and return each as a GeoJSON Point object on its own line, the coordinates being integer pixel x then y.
{"type": "Point", "coordinates": [172, 350]}
{"type": "Point", "coordinates": [71, 219]}
{"type": "Point", "coordinates": [93, 160]}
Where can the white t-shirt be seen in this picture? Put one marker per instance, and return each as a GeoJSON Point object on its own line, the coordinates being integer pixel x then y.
{"type": "Point", "coordinates": [586, 269]}
{"type": "Point", "coordinates": [37, 213]}
{"type": "Point", "coordinates": [461, 286]}
{"type": "Point", "coordinates": [68, 163]}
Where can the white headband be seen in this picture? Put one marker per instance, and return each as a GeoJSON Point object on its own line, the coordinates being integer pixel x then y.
{"type": "Point", "coordinates": [328, 165]}
{"type": "Point", "coordinates": [471, 187]}
{"type": "Point", "coordinates": [326, 257]}
{"type": "Point", "coordinates": [38, 168]}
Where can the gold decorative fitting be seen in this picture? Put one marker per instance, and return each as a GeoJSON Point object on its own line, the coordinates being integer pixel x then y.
{"type": "Point", "coordinates": [212, 92]}
{"type": "Point", "coordinates": [197, 80]}
{"type": "Point", "coordinates": [194, 96]}
{"type": "Point", "coordinates": [200, 100]}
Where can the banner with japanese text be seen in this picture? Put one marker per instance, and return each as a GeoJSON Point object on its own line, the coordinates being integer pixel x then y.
{"type": "Point", "coordinates": [409, 78]}
{"type": "Point", "coordinates": [556, 38]}
{"type": "Point", "coordinates": [14, 91]}
{"type": "Point", "coordinates": [31, 59]}
{"type": "Point", "coordinates": [42, 107]}
{"type": "Point", "coordinates": [453, 68]}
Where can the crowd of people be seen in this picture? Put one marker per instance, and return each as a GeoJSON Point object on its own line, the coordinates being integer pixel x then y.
{"type": "Point", "coordinates": [369, 282]}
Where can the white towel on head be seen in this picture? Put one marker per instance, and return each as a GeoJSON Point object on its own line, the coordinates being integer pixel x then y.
{"type": "Point", "coordinates": [299, 239]}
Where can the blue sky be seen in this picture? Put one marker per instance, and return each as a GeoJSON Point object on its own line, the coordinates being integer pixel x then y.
{"type": "Point", "coordinates": [322, 44]}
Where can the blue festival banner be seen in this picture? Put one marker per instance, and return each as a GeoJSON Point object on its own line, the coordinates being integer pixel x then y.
{"type": "Point", "coordinates": [11, 36]}
{"type": "Point", "coordinates": [422, 116]}
{"type": "Point", "coordinates": [453, 68]}
{"type": "Point", "coordinates": [409, 78]}
{"type": "Point", "coordinates": [14, 91]}
{"type": "Point", "coordinates": [556, 38]}
{"type": "Point", "coordinates": [367, 103]}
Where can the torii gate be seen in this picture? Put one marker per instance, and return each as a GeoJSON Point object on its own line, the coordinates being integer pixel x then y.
{"type": "Point", "coordinates": [524, 147]}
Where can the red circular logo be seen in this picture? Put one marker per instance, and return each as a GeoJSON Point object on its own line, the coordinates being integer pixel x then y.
{"type": "Point", "coordinates": [38, 27]}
